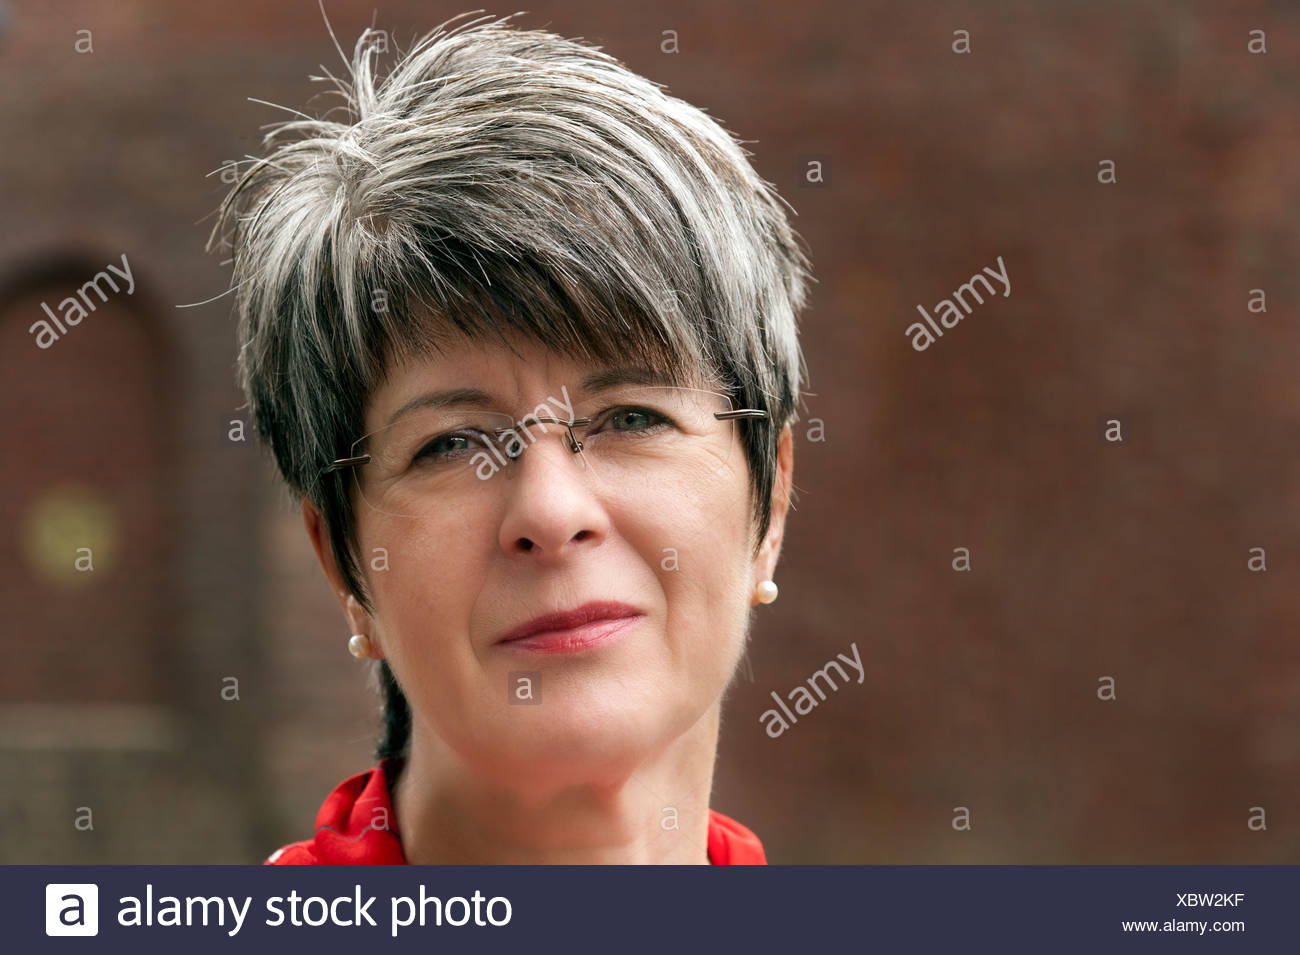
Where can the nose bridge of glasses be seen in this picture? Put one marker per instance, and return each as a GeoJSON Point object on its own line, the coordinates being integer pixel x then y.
{"type": "Point", "coordinates": [522, 430]}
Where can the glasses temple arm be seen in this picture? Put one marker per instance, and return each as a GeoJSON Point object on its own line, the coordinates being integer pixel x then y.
{"type": "Point", "coordinates": [342, 463]}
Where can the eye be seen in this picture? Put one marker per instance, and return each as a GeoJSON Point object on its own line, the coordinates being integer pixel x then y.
{"type": "Point", "coordinates": [449, 446]}
{"type": "Point", "coordinates": [632, 420]}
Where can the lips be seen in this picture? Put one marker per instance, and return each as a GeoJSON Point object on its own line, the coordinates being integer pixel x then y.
{"type": "Point", "coordinates": [603, 611]}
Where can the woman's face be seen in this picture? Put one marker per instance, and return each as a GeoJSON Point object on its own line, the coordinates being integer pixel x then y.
{"type": "Point", "coordinates": [547, 537]}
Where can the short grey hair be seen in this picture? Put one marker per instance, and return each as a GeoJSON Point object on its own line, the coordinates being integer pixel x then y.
{"type": "Point", "coordinates": [501, 181]}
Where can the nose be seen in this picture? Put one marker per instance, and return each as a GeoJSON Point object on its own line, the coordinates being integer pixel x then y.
{"type": "Point", "coordinates": [553, 505]}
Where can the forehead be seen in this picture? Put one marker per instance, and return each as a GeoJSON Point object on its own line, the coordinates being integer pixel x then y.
{"type": "Point", "coordinates": [482, 361]}
{"type": "Point", "coordinates": [489, 373]}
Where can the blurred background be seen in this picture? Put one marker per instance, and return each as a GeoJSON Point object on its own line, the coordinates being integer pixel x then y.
{"type": "Point", "coordinates": [1112, 674]}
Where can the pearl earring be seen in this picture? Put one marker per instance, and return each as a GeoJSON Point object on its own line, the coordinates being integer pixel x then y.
{"type": "Point", "coordinates": [359, 645]}
{"type": "Point", "coordinates": [766, 591]}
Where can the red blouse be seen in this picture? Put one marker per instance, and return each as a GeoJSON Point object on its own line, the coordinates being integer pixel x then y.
{"type": "Point", "coordinates": [355, 826]}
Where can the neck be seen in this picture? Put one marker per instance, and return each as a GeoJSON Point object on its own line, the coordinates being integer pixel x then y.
{"type": "Point", "coordinates": [657, 814]}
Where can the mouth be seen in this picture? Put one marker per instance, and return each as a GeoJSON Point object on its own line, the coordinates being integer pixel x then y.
{"type": "Point", "coordinates": [572, 631]}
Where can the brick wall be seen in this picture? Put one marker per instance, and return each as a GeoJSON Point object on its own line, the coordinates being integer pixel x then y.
{"type": "Point", "coordinates": [1129, 301]}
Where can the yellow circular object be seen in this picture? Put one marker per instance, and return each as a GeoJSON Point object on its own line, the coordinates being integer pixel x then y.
{"type": "Point", "coordinates": [70, 535]}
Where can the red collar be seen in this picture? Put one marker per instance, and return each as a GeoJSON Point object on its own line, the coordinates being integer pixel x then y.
{"type": "Point", "coordinates": [356, 826]}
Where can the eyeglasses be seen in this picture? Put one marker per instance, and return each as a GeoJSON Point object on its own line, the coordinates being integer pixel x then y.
{"type": "Point", "coordinates": [438, 458]}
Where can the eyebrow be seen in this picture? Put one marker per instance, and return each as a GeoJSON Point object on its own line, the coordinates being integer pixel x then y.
{"type": "Point", "coordinates": [596, 381]}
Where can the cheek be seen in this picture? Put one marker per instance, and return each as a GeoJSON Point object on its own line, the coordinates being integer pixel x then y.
{"type": "Point", "coordinates": [425, 587]}
{"type": "Point", "coordinates": [703, 566]}
{"type": "Point", "coordinates": [409, 563]}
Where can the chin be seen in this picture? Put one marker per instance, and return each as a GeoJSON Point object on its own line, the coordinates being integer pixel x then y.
{"type": "Point", "coordinates": [576, 744]}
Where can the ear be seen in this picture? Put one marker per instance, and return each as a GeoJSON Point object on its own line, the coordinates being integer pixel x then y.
{"type": "Point", "coordinates": [358, 620]}
{"type": "Point", "coordinates": [770, 551]}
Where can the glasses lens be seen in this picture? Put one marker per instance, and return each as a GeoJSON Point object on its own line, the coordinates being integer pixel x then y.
{"type": "Point", "coordinates": [433, 460]}
{"type": "Point", "coordinates": [431, 454]}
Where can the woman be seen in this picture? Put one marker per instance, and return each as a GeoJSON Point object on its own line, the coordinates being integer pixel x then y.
{"type": "Point", "coordinates": [521, 333]}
